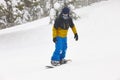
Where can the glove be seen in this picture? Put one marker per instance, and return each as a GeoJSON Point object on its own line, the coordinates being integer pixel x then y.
{"type": "Point", "coordinates": [54, 39]}
{"type": "Point", "coordinates": [76, 36]}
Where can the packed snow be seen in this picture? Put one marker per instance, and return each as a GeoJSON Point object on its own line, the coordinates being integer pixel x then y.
{"type": "Point", "coordinates": [26, 49]}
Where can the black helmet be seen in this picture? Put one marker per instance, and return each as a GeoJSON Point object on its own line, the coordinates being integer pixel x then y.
{"type": "Point", "coordinates": [65, 10]}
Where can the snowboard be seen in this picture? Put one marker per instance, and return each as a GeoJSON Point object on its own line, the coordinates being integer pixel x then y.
{"type": "Point", "coordinates": [51, 66]}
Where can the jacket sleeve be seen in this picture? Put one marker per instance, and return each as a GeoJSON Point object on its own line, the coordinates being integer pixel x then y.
{"type": "Point", "coordinates": [74, 30]}
{"type": "Point", "coordinates": [73, 26]}
{"type": "Point", "coordinates": [54, 32]}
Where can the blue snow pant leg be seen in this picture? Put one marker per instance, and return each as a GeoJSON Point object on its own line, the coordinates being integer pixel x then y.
{"type": "Point", "coordinates": [64, 48]}
{"type": "Point", "coordinates": [60, 49]}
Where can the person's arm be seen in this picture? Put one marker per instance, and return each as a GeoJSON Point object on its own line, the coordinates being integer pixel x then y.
{"type": "Point", "coordinates": [54, 30]}
{"type": "Point", "coordinates": [73, 29]}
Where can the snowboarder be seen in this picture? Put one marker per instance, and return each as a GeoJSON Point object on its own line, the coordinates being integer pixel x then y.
{"type": "Point", "coordinates": [60, 29]}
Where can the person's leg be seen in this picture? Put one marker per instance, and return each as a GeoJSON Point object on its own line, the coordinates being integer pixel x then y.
{"type": "Point", "coordinates": [58, 48]}
{"type": "Point", "coordinates": [64, 48]}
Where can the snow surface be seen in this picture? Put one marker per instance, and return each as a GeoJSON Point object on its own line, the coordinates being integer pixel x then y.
{"type": "Point", "coordinates": [27, 48]}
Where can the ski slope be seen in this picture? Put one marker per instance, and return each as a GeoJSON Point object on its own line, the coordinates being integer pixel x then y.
{"type": "Point", "coordinates": [27, 48]}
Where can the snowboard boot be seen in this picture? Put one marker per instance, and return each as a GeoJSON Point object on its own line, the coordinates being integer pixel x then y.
{"type": "Point", "coordinates": [63, 61]}
{"type": "Point", "coordinates": [55, 63]}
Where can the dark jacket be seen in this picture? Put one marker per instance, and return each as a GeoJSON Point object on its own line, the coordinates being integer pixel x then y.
{"type": "Point", "coordinates": [61, 26]}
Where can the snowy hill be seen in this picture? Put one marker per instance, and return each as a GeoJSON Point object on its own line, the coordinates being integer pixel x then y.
{"type": "Point", "coordinates": [27, 48]}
